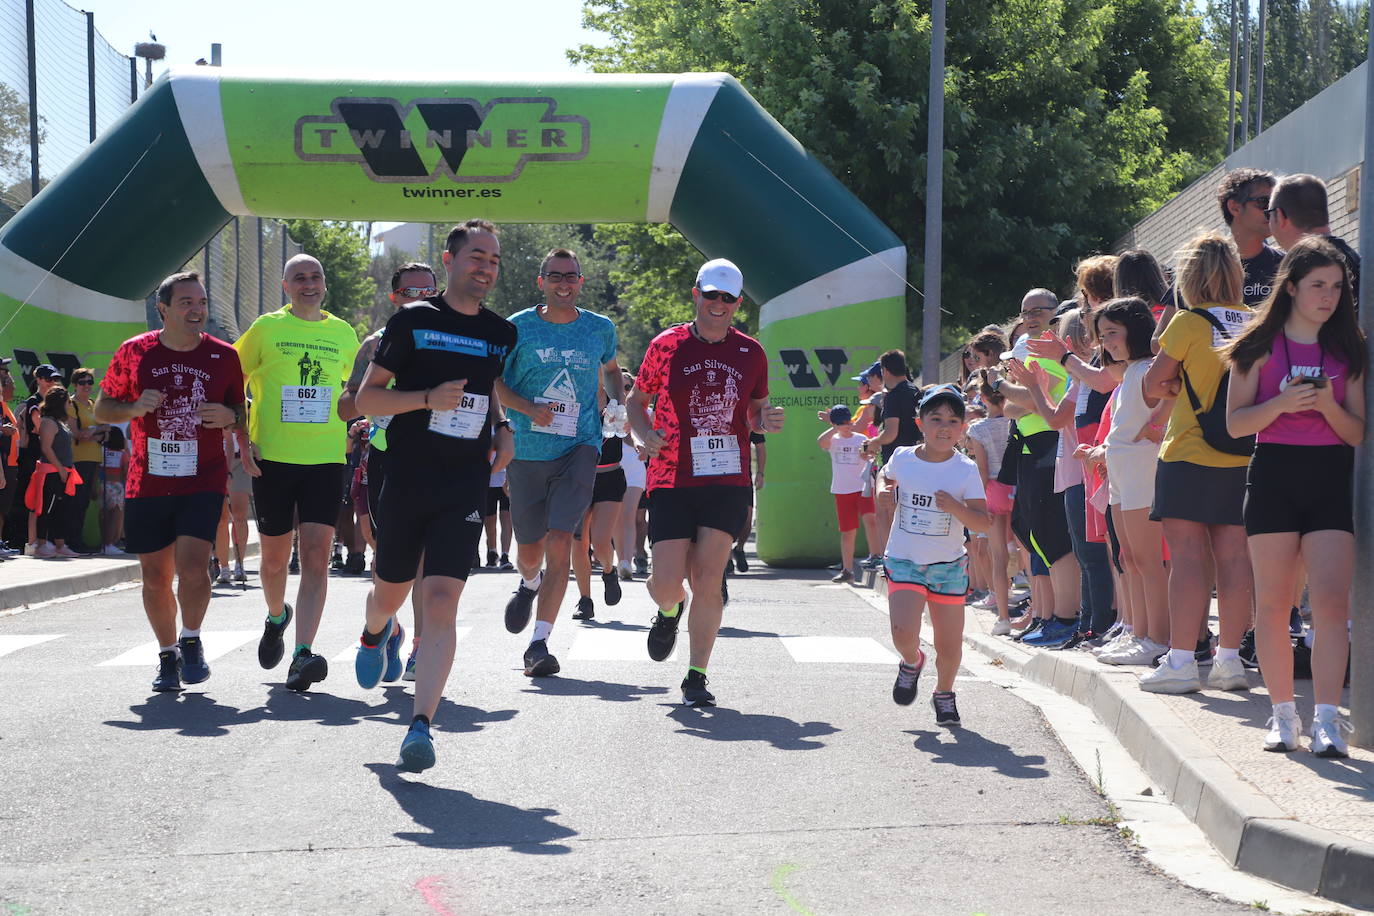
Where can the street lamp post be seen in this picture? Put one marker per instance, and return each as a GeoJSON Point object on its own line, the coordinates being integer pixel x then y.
{"type": "Point", "coordinates": [935, 159]}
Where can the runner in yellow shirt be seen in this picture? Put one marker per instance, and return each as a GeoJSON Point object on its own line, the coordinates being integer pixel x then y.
{"type": "Point", "coordinates": [295, 361]}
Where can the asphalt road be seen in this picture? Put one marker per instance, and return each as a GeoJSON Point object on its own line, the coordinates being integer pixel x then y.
{"type": "Point", "coordinates": [806, 791]}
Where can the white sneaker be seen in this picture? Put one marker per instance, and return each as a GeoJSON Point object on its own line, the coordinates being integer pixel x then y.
{"type": "Point", "coordinates": [1326, 737]}
{"type": "Point", "coordinates": [986, 604]}
{"type": "Point", "coordinates": [110, 550]}
{"type": "Point", "coordinates": [1284, 728]}
{"type": "Point", "coordinates": [1141, 652]}
{"type": "Point", "coordinates": [45, 550]}
{"type": "Point", "coordinates": [225, 576]}
{"type": "Point", "coordinates": [66, 552]}
{"type": "Point", "coordinates": [1228, 675]}
{"type": "Point", "coordinates": [1124, 642]}
{"type": "Point", "coordinates": [31, 550]}
{"type": "Point", "coordinates": [1166, 679]}
{"type": "Point", "coordinates": [1002, 627]}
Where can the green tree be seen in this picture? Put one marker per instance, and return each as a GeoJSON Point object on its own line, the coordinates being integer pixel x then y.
{"type": "Point", "coordinates": [1066, 120]}
{"type": "Point", "coordinates": [1308, 45]}
{"type": "Point", "coordinates": [342, 249]}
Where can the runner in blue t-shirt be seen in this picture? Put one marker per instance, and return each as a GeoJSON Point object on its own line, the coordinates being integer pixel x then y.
{"type": "Point", "coordinates": [550, 384]}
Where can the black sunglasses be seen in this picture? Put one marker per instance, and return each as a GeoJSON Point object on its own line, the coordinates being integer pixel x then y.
{"type": "Point", "coordinates": [725, 297]}
{"type": "Point", "coordinates": [1262, 201]}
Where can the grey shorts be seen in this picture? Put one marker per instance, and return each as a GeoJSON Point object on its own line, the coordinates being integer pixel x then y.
{"type": "Point", "coordinates": [551, 495]}
{"type": "Point", "coordinates": [239, 481]}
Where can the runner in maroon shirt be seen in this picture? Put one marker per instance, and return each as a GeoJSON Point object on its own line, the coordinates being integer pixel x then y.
{"type": "Point", "coordinates": [711, 384]}
{"type": "Point", "coordinates": [177, 388]}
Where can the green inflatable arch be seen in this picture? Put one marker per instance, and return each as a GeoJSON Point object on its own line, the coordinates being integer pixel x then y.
{"type": "Point", "coordinates": [691, 149]}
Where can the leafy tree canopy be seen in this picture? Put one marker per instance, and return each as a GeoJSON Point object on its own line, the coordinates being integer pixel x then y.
{"type": "Point", "coordinates": [1066, 120]}
{"type": "Point", "coordinates": [342, 250]}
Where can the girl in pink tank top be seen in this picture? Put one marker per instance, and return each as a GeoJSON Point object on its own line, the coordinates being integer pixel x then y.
{"type": "Point", "coordinates": [1297, 371]}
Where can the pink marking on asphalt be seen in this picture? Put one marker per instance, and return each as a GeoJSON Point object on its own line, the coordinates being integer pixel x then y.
{"type": "Point", "coordinates": [430, 889]}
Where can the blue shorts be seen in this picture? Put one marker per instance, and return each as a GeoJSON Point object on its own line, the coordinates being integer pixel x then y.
{"type": "Point", "coordinates": [938, 583]}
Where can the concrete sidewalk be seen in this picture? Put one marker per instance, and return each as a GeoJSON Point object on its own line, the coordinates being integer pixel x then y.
{"type": "Point", "coordinates": [26, 580]}
{"type": "Point", "coordinates": [1299, 820]}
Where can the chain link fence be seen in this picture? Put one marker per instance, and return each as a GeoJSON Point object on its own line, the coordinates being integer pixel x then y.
{"type": "Point", "coordinates": [61, 85]}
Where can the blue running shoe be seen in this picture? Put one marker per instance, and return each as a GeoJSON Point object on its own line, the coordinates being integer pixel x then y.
{"type": "Point", "coordinates": [194, 668]}
{"type": "Point", "coordinates": [1051, 634]}
{"type": "Point", "coordinates": [369, 663]}
{"type": "Point", "coordinates": [394, 668]}
{"type": "Point", "coordinates": [417, 750]}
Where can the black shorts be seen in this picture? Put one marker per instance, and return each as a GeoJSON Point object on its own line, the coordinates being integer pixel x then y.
{"type": "Point", "coordinates": [286, 493]}
{"type": "Point", "coordinates": [675, 513]}
{"type": "Point", "coordinates": [1037, 516]}
{"type": "Point", "coordinates": [1195, 493]}
{"type": "Point", "coordinates": [609, 486]}
{"type": "Point", "coordinates": [154, 522]}
{"type": "Point", "coordinates": [498, 500]}
{"type": "Point", "coordinates": [376, 474]}
{"type": "Point", "coordinates": [1301, 488]}
{"type": "Point", "coordinates": [444, 522]}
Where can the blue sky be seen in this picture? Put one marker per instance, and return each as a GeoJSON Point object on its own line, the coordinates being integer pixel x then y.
{"type": "Point", "coordinates": [509, 36]}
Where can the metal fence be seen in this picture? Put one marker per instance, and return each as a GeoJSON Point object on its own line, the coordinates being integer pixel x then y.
{"type": "Point", "coordinates": [61, 85]}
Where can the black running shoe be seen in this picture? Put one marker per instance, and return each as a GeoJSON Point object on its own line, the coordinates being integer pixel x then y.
{"type": "Point", "coordinates": [306, 668]}
{"type": "Point", "coordinates": [694, 692]}
{"type": "Point", "coordinates": [519, 607]}
{"type": "Point", "coordinates": [168, 677]}
{"type": "Point", "coordinates": [1035, 626]}
{"type": "Point", "coordinates": [1076, 640]}
{"type": "Point", "coordinates": [355, 564]}
{"type": "Point", "coordinates": [491, 559]}
{"type": "Point", "coordinates": [1249, 655]}
{"type": "Point", "coordinates": [538, 661]}
{"type": "Point", "coordinates": [337, 561]}
{"type": "Point", "coordinates": [194, 668]}
{"type": "Point", "coordinates": [663, 633]}
{"type": "Point", "coordinates": [904, 688]}
{"type": "Point", "coordinates": [294, 567]}
{"type": "Point", "coordinates": [506, 565]}
{"type": "Point", "coordinates": [586, 609]}
{"type": "Point", "coordinates": [725, 588]}
{"type": "Point", "coordinates": [946, 712]}
{"type": "Point", "coordinates": [741, 564]}
{"type": "Point", "coordinates": [272, 647]}
{"type": "Point", "coordinates": [1202, 652]}
{"type": "Point", "coordinates": [611, 581]}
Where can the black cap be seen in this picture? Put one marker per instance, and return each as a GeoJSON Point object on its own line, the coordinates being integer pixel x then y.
{"type": "Point", "coordinates": [840, 415]}
{"type": "Point", "coordinates": [46, 371]}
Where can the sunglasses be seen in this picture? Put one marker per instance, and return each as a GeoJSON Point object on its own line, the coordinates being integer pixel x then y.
{"type": "Point", "coordinates": [417, 292]}
{"type": "Point", "coordinates": [571, 276]}
{"type": "Point", "coordinates": [1262, 201]}
{"type": "Point", "coordinates": [1029, 312]}
{"type": "Point", "coordinates": [715, 294]}
{"type": "Point", "coordinates": [83, 381]}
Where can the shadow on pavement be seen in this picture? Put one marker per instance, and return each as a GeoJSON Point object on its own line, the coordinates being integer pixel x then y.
{"type": "Point", "coordinates": [194, 715]}
{"type": "Point", "coordinates": [602, 690]}
{"type": "Point", "coordinates": [449, 717]}
{"type": "Point", "coordinates": [292, 706]}
{"type": "Point", "coordinates": [738, 633]}
{"type": "Point", "coordinates": [970, 749]}
{"type": "Point", "coordinates": [720, 724]}
{"type": "Point", "coordinates": [458, 820]}
{"type": "Point", "coordinates": [599, 624]}
{"type": "Point", "coordinates": [1357, 775]}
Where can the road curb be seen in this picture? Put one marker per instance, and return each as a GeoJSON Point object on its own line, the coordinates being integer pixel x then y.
{"type": "Point", "coordinates": [70, 579]}
{"type": "Point", "coordinates": [1243, 824]}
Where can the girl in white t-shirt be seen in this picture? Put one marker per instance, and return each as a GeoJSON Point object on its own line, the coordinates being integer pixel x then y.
{"type": "Point", "coordinates": [848, 471]}
{"type": "Point", "coordinates": [938, 493]}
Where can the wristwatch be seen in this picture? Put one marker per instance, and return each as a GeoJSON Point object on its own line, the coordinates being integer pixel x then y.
{"type": "Point", "coordinates": [503, 423]}
{"type": "Point", "coordinates": [1065, 358]}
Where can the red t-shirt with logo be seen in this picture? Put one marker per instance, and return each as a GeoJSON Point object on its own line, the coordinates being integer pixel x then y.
{"type": "Point", "coordinates": [702, 412]}
{"type": "Point", "coordinates": [171, 451]}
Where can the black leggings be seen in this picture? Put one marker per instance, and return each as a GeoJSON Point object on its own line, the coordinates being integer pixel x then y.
{"type": "Point", "coordinates": [55, 523]}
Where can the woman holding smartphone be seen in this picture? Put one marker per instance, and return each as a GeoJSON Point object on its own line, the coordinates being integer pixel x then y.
{"type": "Point", "coordinates": [1297, 374]}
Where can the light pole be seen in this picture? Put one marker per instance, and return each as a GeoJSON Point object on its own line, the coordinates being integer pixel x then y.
{"type": "Point", "coordinates": [935, 160]}
{"type": "Point", "coordinates": [1362, 631]}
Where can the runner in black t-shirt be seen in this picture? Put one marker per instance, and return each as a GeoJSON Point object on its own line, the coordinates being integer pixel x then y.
{"type": "Point", "coordinates": [444, 354]}
{"type": "Point", "coordinates": [898, 417]}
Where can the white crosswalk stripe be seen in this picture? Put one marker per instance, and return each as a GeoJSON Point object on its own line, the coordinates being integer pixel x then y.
{"type": "Point", "coordinates": [10, 644]}
{"type": "Point", "coordinates": [217, 643]}
{"type": "Point", "coordinates": [614, 646]}
{"type": "Point", "coordinates": [832, 649]}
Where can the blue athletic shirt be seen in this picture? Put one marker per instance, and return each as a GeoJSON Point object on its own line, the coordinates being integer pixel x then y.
{"type": "Point", "coordinates": [560, 363]}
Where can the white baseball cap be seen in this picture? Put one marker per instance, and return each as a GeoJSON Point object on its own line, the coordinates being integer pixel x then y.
{"type": "Point", "coordinates": [722, 275]}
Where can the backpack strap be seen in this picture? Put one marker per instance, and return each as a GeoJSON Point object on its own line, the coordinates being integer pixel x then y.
{"type": "Point", "coordinates": [1212, 320]}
